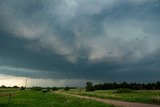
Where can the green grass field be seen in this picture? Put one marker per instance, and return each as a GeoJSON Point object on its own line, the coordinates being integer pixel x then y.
{"type": "Point", "coordinates": [28, 98]}
{"type": "Point", "coordinates": [144, 96]}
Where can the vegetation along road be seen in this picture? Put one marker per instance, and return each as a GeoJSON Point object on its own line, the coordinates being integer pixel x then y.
{"type": "Point", "coordinates": [114, 102]}
{"type": "Point", "coordinates": [120, 97]}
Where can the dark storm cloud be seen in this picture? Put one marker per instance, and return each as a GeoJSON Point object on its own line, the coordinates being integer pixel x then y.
{"type": "Point", "coordinates": [86, 39]}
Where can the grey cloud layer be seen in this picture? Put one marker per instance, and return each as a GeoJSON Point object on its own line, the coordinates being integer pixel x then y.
{"type": "Point", "coordinates": [84, 36]}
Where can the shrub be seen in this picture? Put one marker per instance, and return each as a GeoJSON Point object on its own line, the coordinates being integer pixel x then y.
{"type": "Point", "coordinates": [66, 88]}
{"type": "Point", "coordinates": [89, 86]}
{"type": "Point", "coordinates": [3, 86]}
{"type": "Point", "coordinates": [45, 90]}
{"type": "Point", "coordinates": [124, 90]}
{"type": "Point", "coordinates": [15, 87]}
{"type": "Point", "coordinates": [22, 88]}
{"type": "Point", "coordinates": [54, 89]}
{"type": "Point", "coordinates": [36, 88]}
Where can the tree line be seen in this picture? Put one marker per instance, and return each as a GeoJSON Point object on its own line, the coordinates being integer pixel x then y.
{"type": "Point", "coordinates": [36, 88]}
{"type": "Point", "coordinates": [125, 85]}
{"type": "Point", "coordinates": [133, 86]}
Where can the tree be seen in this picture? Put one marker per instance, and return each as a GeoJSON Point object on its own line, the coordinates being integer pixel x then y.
{"type": "Point", "coordinates": [89, 86]}
{"type": "Point", "coordinates": [3, 86]}
{"type": "Point", "coordinates": [54, 89]}
{"type": "Point", "coordinates": [15, 86]}
{"type": "Point", "coordinates": [66, 88]}
{"type": "Point", "coordinates": [22, 88]}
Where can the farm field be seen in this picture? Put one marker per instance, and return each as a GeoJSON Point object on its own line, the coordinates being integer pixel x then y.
{"type": "Point", "coordinates": [142, 96]}
{"type": "Point", "coordinates": [29, 98]}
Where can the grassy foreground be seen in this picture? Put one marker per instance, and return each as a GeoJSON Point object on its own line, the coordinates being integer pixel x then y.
{"type": "Point", "coordinates": [30, 98]}
{"type": "Point", "coordinates": [143, 96]}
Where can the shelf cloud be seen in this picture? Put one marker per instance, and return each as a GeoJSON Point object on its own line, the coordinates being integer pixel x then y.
{"type": "Point", "coordinates": [105, 40]}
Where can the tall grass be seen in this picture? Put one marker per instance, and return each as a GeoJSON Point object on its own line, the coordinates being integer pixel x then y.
{"type": "Point", "coordinates": [39, 99]}
{"type": "Point", "coordinates": [143, 96]}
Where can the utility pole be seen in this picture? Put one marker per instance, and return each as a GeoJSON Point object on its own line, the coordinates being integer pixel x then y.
{"type": "Point", "coordinates": [26, 82]}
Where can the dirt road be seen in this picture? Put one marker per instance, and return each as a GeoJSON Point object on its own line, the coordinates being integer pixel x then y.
{"type": "Point", "coordinates": [114, 102]}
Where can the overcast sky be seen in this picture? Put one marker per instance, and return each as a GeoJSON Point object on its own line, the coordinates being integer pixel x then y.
{"type": "Point", "coordinates": [81, 40]}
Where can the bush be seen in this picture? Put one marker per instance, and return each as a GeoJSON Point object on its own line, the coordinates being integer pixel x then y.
{"type": "Point", "coordinates": [89, 86]}
{"type": "Point", "coordinates": [22, 88]}
{"type": "Point", "coordinates": [66, 88]}
{"type": "Point", "coordinates": [3, 86]}
{"type": "Point", "coordinates": [45, 90]}
{"type": "Point", "coordinates": [54, 89]}
{"type": "Point", "coordinates": [15, 87]}
{"type": "Point", "coordinates": [124, 90]}
{"type": "Point", "coordinates": [36, 88]}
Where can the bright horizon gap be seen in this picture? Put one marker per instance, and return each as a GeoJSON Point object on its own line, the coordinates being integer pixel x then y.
{"type": "Point", "coordinates": [9, 80]}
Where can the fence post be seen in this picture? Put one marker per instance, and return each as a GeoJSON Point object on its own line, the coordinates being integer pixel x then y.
{"type": "Point", "coordinates": [9, 97]}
